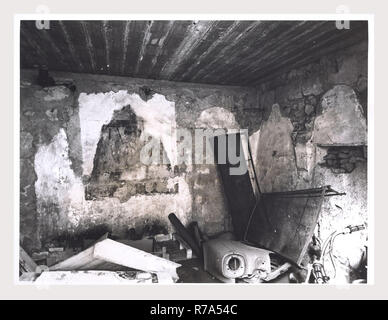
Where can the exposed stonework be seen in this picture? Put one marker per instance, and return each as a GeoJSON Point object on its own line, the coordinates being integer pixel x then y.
{"type": "Point", "coordinates": [93, 131]}
{"type": "Point", "coordinates": [343, 159]}
{"type": "Point", "coordinates": [323, 108]}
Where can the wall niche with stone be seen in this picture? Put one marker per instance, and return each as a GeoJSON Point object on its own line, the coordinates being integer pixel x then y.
{"type": "Point", "coordinates": [344, 159]}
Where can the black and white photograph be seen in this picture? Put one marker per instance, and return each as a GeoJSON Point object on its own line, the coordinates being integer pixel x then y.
{"type": "Point", "coordinates": [182, 151]}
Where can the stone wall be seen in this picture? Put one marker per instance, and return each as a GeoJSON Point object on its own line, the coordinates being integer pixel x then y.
{"type": "Point", "coordinates": [314, 128]}
{"type": "Point", "coordinates": [80, 143]}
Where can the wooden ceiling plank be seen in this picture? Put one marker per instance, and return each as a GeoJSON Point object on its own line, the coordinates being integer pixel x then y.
{"type": "Point", "coordinates": [146, 38]}
{"type": "Point", "coordinates": [271, 41]}
{"type": "Point", "coordinates": [73, 52]}
{"type": "Point", "coordinates": [31, 42]}
{"type": "Point", "coordinates": [52, 39]}
{"type": "Point", "coordinates": [125, 46]}
{"type": "Point", "coordinates": [162, 43]}
{"type": "Point", "coordinates": [134, 41]}
{"type": "Point", "coordinates": [172, 41]}
{"type": "Point", "coordinates": [297, 38]}
{"type": "Point", "coordinates": [217, 52]}
{"type": "Point", "coordinates": [113, 37]}
{"type": "Point", "coordinates": [76, 36]}
{"type": "Point", "coordinates": [105, 32]}
{"type": "Point", "coordinates": [319, 40]}
{"type": "Point", "coordinates": [194, 35]}
{"type": "Point", "coordinates": [223, 38]}
{"type": "Point", "coordinates": [240, 49]}
{"type": "Point", "coordinates": [160, 31]}
{"type": "Point", "coordinates": [331, 45]}
{"type": "Point", "coordinates": [217, 29]}
{"type": "Point", "coordinates": [225, 51]}
{"type": "Point", "coordinates": [89, 45]}
{"type": "Point", "coordinates": [61, 46]}
{"type": "Point", "coordinates": [32, 58]}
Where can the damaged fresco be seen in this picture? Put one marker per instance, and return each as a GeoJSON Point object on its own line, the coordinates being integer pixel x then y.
{"type": "Point", "coordinates": [93, 159]}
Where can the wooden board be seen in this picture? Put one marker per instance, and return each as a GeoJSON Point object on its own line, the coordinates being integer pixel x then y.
{"type": "Point", "coordinates": [26, 264]}
{"type": "Point", "coordinates": [284, 225]}
{"type": "Point", "coordinates": [112, 255]}
{"type": "Point", "coordinates": [121, 254]}
{"type": "Point", "coordinates": [93, 277]}
{"type": "Point", "coordinates": [28, 276]}
{"type": "Point", "coordinates": [237, 188]}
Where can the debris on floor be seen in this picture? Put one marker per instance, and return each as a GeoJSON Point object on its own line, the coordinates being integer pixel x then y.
{"type": "Point", "coordinates": [102, 259]}
{"type": "Point", "coordinates": [108, 254]}
{"type": "Point", "coordinates": [94, 276]}
{"type": "Point", "coordinates": [26, 264]}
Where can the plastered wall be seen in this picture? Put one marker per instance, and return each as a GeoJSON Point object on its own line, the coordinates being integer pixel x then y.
{"type": "Point", "coordinates": [312, 114]}
{"type": "Point", "coordinates": [81, 172]}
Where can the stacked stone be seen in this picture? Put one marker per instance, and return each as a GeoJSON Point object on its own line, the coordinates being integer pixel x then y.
{"type": "Point", "coordinates": [302, 113]}
{"type": "Point", "coordinates": [125, 189]}
{"type": "Point", "coordinates": [343, 159]}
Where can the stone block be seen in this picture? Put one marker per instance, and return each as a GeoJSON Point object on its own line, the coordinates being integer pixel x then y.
{"type": "Point", "coordinates": [309, 109]}
{"type": "Point", "coordinates": [312, 86]}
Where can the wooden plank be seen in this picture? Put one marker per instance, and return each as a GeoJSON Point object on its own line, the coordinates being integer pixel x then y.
{"type": "Point", "coordinates": [127, 256]}
{"type": "Point", "coordinates": [278, 272]}
{"type": "Point", "coordinates": [112, 255]}
{"type": "Point", "coordinates": [25, 262]}
{"type": "Point", "coordinates": [94, 277]}
{"type": "Point", "coordinates": [184, 245]}
{"type": "Point", "coordinates": [146, 245]}
{"type": "Point", "coordinates": [239, 50]}
{"type": "Point", "coordinates": [29, 276]}
{"type": "Point", "coordinates": [284, 225]}
{"type": "Point", "coordinates": [171, 42]}
{"type": "Point", "coordinates": [238, 188]}
{"type": "Point", "coordinates": [164, 278]}
{"type": "Point", "coordinates": [194, 55]}
{"type": "Point", "coordinates": [76, 262]}
{"type": "Point", "coordinates": [195, 34]}
{"type": "Point", "coordinates": [132, 43]}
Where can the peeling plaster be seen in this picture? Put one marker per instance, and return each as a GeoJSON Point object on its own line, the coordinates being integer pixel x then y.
{"type": "Point", "coordinates": [137, 210]}
{"type": "Point", "coordinates": [196, 193]}
{"type": "Point", "coordinates": [56, 185]}
{"type": "Point", "coordinates": [342, 120]}
{"type": "Point", "coordinates": [97, 110]}
{"type": "Point", "coordinates": [217, 118]}
{"type": "Point", "coordinates": [274, 154]}
{"type": "Point", "coordinates": [60, 195]}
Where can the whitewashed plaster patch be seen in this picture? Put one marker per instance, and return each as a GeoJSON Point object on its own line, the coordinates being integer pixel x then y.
{"type": "Point", "coordinates": [56, 183]}
{"type": "Point", "coordinates": [342, 120]}
{"type": "Point", "coordinates": [217, 118]}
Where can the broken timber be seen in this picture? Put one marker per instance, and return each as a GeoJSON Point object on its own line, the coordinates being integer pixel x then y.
{"type": "Point", "coordinates": [108, 254]}
{"type": "Point", "coordinates": [26, 264]}
{"type": "Point", "coordinates": [88, 277]}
